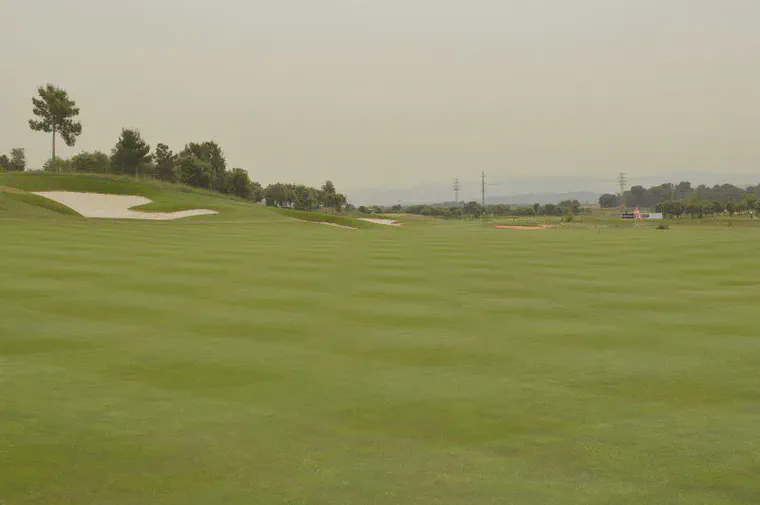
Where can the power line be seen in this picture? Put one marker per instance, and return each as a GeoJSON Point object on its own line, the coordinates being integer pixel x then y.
{"type": "Point", "coordinates": [457, 187]}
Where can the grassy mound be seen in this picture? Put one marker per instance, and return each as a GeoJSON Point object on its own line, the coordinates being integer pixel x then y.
{"type": "Point", "coordinates": [322, 217]}
{"type": "Point", "coordinates": [165, 197]}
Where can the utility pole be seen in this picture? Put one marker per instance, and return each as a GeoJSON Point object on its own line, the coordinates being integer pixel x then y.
{"type": "Point", "coordinates": [457, 187]}
{"type": "Point", "coordinates": [483, 189]}
{"type": "Point", "coordinates": [623, 181]}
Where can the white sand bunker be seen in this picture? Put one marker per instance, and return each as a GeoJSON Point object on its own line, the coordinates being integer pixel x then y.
{"type": "Point", "coordinates": [386, 222]}
{"type": "Point", "coordinates": [335, 225]}
{"type": "Point", "coordinates": [115, 206]}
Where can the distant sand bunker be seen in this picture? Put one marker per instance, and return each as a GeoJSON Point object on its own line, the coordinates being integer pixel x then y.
{"type": "Point", "coordinates": [115, 206]}
{"type": "Point", "coordinates": [335, 225]}
{"type": "Point", "coordinates": [386, 222]}
{"type": "Point", "coordinates": [505, 227]}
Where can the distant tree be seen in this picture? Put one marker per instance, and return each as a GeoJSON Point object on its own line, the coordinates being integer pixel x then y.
{"type": "Point", "coordinates": [349, 207]}
{"type": "Point", "coordinates": [18, 160]}
{"type": "Point", "coordinates": [328, 187]}
{"type": "Point", "coordinates": [677, 208]}
{"type": "Point", "coordinates": [609, 201]}
{"type": "Point", "coordinates": [730, 207]}
{"type": "Point", "coordinates": [473, 209]}
{"type": "Point", "coordinates": [4, 162]}
{"type": "Point", "coordinates": [305, 198]}
{"type": "Point", "coordinates": [166, 169]}
{"type": "Point", "coordinates": [693, 209]}
{"type": "Point", "coordinates": [718, 208]}
{"type": "Point", "coordinates": [193, 171]}
{"type": "Point", "coordinates": [57, 165]}
{"type": "Point", "coordinates": [210, 153]}
{"type": "Point", "coordinates": [741, 206]}
{"type": "Point", "coordinates": [95, 162]}
{"type": "Point", "coordinates": [130, 154]}
{"type": "Point", "coordinates": [257, 191]}
{"type": "Point", "coordinates": [684, 189]}
{"type": "Point", "coordinates": [279, 195]}
{"type": "Point", "coordinates": [572, 206]}
{"type": "Point", "coordinates": [56, 111]}
{"type": "Point", "coordinates": [238, 183]}
{"type": "Point", "coordinates": [752, 204]}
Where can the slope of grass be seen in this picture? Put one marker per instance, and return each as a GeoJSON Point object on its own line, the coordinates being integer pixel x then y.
{"type": "Point", "coordinates": [40, 201]}
{"type": "Point", "coordinates": [14, 207]}
{"type": "Point", "coordinates": [323, 217]}
{"type": "Point", "coordinates": [165, 197]}
{"type": "Point", "coordinates": [236, 363]}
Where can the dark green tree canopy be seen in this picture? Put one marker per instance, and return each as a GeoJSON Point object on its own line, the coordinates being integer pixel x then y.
{"type": "Point", "coordinates": [609, 201]}
{"type": "Point", "coordinates": [95, 162]}
{"type": "Point", "coordinates": [210, 153]}
{"type": "Point", "coordinates": [165, 164]}
{"type": "Point", "coordinates": [193, 171]}
{"type": "Point", "coordinates": [56, 112]}
{"type": "Point", "coordinates": [130, 154]}
{"type": "Point", "coordinates": [18, 160]}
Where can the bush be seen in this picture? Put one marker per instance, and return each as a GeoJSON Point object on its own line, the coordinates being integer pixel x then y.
{"type": "Point", "coordinates": [568, 218]}
{"type": "Point", "coordinates": [663, 226]}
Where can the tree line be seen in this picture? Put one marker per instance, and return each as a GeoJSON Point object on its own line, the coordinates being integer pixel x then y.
{"type": "Point", "coordinates": [677, 200]}
{"type": "Point", "coordinates": [463, 210]}
{"type": "Point", "coordinates": [16, 162]}
{"type": "Point", "coordinates": [198, 164]}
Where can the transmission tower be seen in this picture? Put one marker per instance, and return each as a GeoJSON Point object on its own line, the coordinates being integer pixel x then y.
{"type": "Point", "coordinates": [457, 187]}
{"type": "Point", "coordinates": [623, 181]}
{"type": "Point", "coordinates": [483, 189]}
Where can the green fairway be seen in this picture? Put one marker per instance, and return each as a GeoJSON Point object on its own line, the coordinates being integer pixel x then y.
{"type": "Point", "coordinates": [270, 361]}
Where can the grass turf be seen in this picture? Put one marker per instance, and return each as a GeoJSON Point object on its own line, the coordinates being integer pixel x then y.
{"type": "Point", "coordinates": [273, 361]}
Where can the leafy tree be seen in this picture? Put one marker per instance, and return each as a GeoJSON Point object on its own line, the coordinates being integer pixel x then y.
{"type": "Point", "coordinates": [210, 153]}
{"type": "Point", "coordinates": [279, 195]}
{"type": "Point", "coordinates": [130, 154]}
{"type": "Point", "coordinates": [238, 183]}
{"type": "Point", "coordinates": [166, 169]}
{"type": "Point", "coordinates": [18, 160]}
{"type": "Point", "coordinates": [730, 207]}
{"type": "Point", "coordinates": [718, 208]}
{"type": "Point", "coordinates": [193, 171]}
{"type": "Point", "coordinates": [56, 111]}
{"type": "Point", "coordinates": [57, 165]}
{"type": "Point", "coordinates": [572, 206]}
{"type": "Point", "coordinates": [741, 207]}
{"type": "Point", "coordinates": [473, 209]}
{"type": "Point", "coordinates": [305, 198]}
{"type": "Point", "coordinates": [609, 201]}
{"type": "Point", "coordinates": [257, 191]}
{"type": "Point", "coordinates": [693, 209]}
{"type": "Point", "coordinates": [4, 162]}
{"type": "Point", "coordinates": [95, 162]}
{"type": "Point", "coordinates": [683, 189]}
{"type": "Point", "coordinates": [752, 204]}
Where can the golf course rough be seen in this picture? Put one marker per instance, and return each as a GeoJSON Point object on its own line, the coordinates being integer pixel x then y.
{"type": "Point", "coordinates": [261, 359]}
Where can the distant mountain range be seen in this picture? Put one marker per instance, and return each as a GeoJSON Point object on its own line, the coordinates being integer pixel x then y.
{"type": "Point", "coordinates": [544, 190]}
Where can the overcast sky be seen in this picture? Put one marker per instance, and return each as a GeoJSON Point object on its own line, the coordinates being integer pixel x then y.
{"type": "Point", "coordinates": [393, 93]}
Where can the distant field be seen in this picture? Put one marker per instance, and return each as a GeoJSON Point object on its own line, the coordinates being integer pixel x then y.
{"type": "Point", "coordinates": [272, 361]}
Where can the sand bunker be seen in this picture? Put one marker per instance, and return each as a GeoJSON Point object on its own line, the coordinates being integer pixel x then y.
{"type": "Point", "coordinates": [115, 206]}
{"type": "Point", "coordinates": [336, 225]}
{"type": "Point", "coordinates": [386, 222]}
{"type": "Point", "coordinates": [505, 227]}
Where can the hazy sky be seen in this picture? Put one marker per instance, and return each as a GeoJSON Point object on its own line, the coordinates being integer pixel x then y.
{"type": "Point", "coordinates": [392, 93]}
